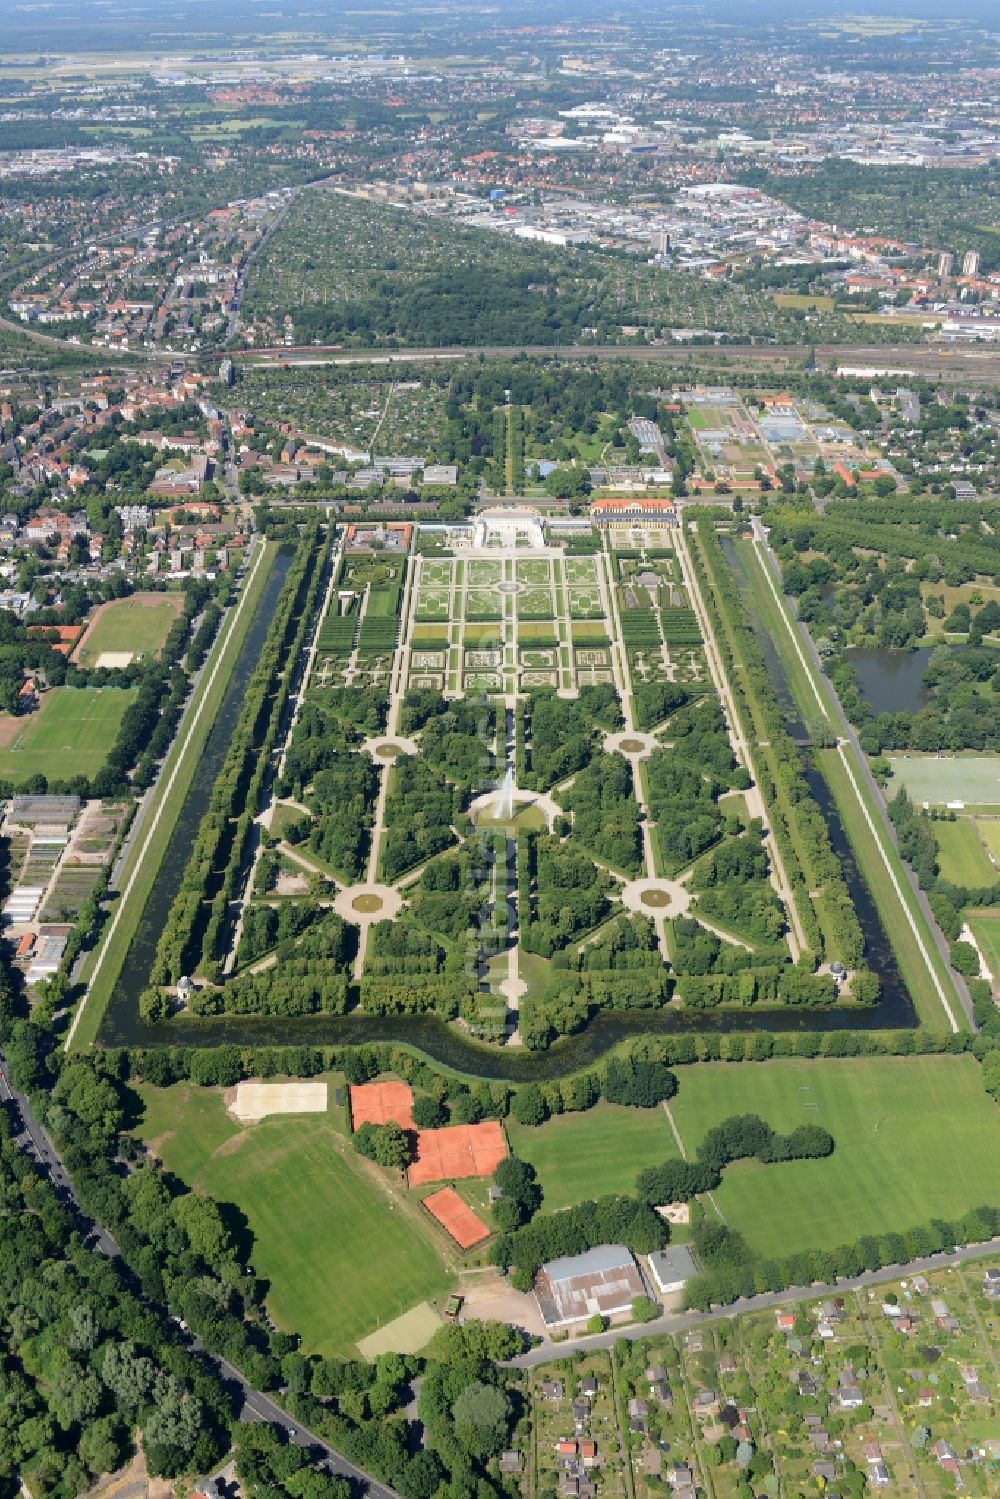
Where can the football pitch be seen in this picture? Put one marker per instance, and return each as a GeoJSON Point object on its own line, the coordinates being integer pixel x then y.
{"type": "Point", "coordinates": [138, 625]}
{"type": "Point", "coordinates": [310, 1203]}
{"type": "Point", "coordinates": [68, 734]}
{"type": "Point", "coordinates": [895, 1163]}
{"type": "Point", "coordinates": [962, 858]}
{"type": "Point", "coordinates": [589, 1155]}
{"type": "Point", "coordinates": [937, 779]}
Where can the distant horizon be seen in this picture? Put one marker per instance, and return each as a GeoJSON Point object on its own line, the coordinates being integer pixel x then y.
{"type": "Point", "coordinates": [89, 25]}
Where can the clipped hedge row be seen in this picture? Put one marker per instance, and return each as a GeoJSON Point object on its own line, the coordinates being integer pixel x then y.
{"type": "Point", "coordinates": [797, 822]}
{"type": "Point", "coordinates": [216, 859]}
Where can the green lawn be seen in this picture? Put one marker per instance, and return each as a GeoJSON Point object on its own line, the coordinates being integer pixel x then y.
{"type": "Point", "coordinates": [916, 1138]}
{"type": "Point", "coordinates": [963, 860]}
{"type": "Point", "coordinates": [579, 1156]}
{"type": "Point", "coordinates": [341, 1255]}
{"type": "Point", "coordinates": [69, 734]}
{"type": "Point", "coordinates": [139, 624]}
{"type": "Point", "coordinates": [989, 831]}
{"type": "Point", "coordinates": [973, 779]}
{"type": "Point", "coordinates": [985, 927]}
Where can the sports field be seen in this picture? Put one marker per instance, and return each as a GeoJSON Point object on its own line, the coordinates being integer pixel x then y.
{"type": "Point", "coordinates": [988, 829]}
{"type": "Point", "coordinates": [985, 927]}
{"type": "Point", "coordinates": [310, 1202]}
{"type": "Point", "coordinates": [579, 1156]}
{"type": "Point", "coordinates": [916, 1138]}
{"type": "Point", "coordinates": [68, 734]}
{"type": "Point", "coordinates": [962, 858]}
{"type": "Point", "coordinates": [973, 779]}
{"type": "Point", "coordinates": [138, 626]}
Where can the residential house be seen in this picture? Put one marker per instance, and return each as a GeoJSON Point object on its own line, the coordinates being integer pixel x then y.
{"type": "Point", "coordinates": [638, 1410]}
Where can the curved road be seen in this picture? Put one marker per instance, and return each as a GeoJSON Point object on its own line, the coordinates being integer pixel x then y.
{"type": "Point", "coordinates": [255, 1405]}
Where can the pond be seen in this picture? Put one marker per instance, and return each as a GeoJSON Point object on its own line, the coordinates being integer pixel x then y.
{"type": "Point", "coordinates": [892, 681]}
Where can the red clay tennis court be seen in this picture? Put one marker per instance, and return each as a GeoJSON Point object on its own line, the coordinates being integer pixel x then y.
{"type": "Point", "coordinates": [378, 1103]}
{"type": "Point", "coordinates": [458, 1150]}
{"type": "Point", "coordinates": [456, 1217]}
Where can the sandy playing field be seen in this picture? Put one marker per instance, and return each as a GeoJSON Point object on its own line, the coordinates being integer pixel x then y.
{"type": "Point", "coordinates": [378, 1103]}
{"type": "Point", "coordinates": [457, 1150]}
{"type": "Point", "coordinates": [456, 1217]}
{"type": "Point", "coordinates": [115, 659]}
{"type": "Point", "coordinates": [406, 1334]}
{"type": "Point", "coordinates": [250, 1102]}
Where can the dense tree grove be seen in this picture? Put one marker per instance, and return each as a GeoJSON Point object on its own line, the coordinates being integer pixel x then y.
{"type": "Point", "coordinates": [561, 892]}
{"type": "Point", "coordinates": [455, 737]}
{"type": "Point", "coordinates": [86, 1366]}
{"type": "Point", "coordinates": [686, 781]}
{"type": "Point", "coordinates": [872, 584]}
{"type": "Point", "coordinates": [420, 809]}
{"type": "Point", "coordinates": [556, 736]}
{"type": "Point", "coordinates": [606, 817]}
{"type": "Point", "coordinates": [829, 920]}
{"type": "Point", "coordinates": [338, 786]}
{"type": "Point", "coordinates": [401, 279]}
{"type": "Point", "coordinates": [621, 969]}
{"type": "Point", "coordinates": [191, 938]}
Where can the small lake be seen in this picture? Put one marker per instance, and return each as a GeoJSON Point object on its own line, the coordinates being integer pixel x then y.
{"type": "Point", "coordinates": [892, 681]}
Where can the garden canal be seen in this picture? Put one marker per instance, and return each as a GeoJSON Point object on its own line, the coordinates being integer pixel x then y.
{"type": "Point", "coordinates": [895, 1007]}
{"type": "Point", "coordinates": [431, 1036]}
{"type": "Point", "coordinates": [121, 1025]}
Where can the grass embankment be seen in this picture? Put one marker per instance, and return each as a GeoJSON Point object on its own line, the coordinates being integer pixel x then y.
{"type": "Point", "coordinates": [920, 962]}
{"type": "Point", "coordinates": [343, 1250]}
{"type": "Point", "coordinates": [915, 1138]}
{"type": "Point", "coordinates": [103, 966]}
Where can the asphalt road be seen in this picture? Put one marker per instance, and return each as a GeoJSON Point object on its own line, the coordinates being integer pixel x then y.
{"type": "Point", "coordinates": [255, 1405]}
{"type": "Point", "coordinates": [673, 1322]}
